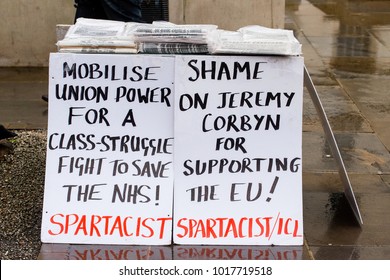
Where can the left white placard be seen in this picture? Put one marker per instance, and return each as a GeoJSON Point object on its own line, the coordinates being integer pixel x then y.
{"type": "Point", "coordinates": [109, 170]}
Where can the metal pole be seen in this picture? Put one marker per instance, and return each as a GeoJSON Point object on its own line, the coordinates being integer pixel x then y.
{"type": "Point", "coordinates": [333, 146]}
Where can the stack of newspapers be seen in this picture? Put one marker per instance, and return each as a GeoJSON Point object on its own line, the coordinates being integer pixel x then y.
{"type": "Point", "coordinates": [256, 40]}
{"type": "Point", "coordinates": [169, 38]}
{"type": "Point", "coordinates": [104, 36]}
{"type": "Point", "coordinates": [99, 36]}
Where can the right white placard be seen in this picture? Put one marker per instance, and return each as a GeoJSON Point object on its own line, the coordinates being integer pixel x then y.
{"type": "Point", "coordinates": [238, 150]}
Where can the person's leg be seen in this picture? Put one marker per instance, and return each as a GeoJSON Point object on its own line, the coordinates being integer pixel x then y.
{"type": "Point", "coordinates": [89, 9]}
{"type": "Point", "coordinates": [5, 133]}
{"type": "Point", "coordinates": [123, 10]}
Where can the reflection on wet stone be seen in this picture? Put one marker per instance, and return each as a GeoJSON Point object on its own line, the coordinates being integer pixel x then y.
{"type": "Point", "coordinates": [351, 121]}
{"type": "Point", "coordinates": [340, 217]}
{"type": "Point", "coordinates": [339, 212]}
{"type": "Point", "coordinates": [354, 43]}
{"type": "Point", "coordinates": [176, 252]}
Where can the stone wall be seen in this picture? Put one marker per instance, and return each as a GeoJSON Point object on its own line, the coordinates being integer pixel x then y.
{"type": "Point", "coordinates": [28, 30]}
{"type": "Point", "coordinates": [28, 27]}
{"type": "Point", "coordinates": [228, 14]}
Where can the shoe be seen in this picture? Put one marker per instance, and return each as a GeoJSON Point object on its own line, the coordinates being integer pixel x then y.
{"type": "Point", "coordinates": [5, 133]}
{"type": "Point", "coordinates": [45, 98]}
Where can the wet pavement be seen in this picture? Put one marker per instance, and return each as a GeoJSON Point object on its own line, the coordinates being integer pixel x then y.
{"type": "Point", "coordinates": [346, 46]}
{"type": "Point", "coordinates": [347, 52]}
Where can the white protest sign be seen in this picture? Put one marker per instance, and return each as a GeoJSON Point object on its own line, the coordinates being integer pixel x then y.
{"type": "Point", "coordinates": [109, 175]}
{"type": "Point", "coordinates": [238, 150]}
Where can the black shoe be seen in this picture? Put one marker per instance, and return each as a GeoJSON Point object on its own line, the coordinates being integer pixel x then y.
{"type": "Point", "coordinates": [45, 98]}
{"type": "Point", "coordinates": [5, 133]}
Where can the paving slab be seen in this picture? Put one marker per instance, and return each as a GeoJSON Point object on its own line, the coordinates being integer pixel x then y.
{"type": "Point", "coordinates": [342, 112]}
{"type": "Point", "coordinates": [331, 252]}
{"type": "Point", "coordinates": [331, 183]}
{"type": "Point", "coordinates": [361, 152]}
{"type": "Point", "coordinates": [332, 222]}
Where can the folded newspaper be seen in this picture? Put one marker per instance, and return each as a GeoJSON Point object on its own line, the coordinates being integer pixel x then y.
{"type": "Point", "coordinates": [172, 48]}
{"type": "Point", "coordinates": [99, 36]}
{"type": "Point", "coordinates": [168, 38]}
{"type": "Point", "coordinates": [160, 31]}
{"type": "Point", "coordinates": [255, 40]}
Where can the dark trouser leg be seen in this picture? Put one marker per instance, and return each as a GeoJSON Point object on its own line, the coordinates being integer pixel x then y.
{"type": "Point", "coordinates": [90, 9]}
{"type": "Point", "coordinates": [123, 10]}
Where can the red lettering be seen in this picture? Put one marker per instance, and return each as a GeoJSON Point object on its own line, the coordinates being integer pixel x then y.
{"type": "Point", "coordinates": [200, 229]}
{"type": "Point", "coordinates": [210, 228]}
{"type": "Point", "coordinates": [231, 227]}
{"type": "Point", "coordinates": [286, 228]}
{"type": "Point", "coordinates": [296, 227]}
{"type": "Point", "coordinates": [95, 225]}
{"type": "Point", "coordinates": [81, 225]}
{"type": "Point", "coordinates": [56, 223]}
{"type": "Point", "coordinates": [125, 226]}
{"type": "Point", "coordinates": [162, 226]}
{"type": "Point", "coordinates": [245, 227]}
{"type": "Point", "coordinates": [117, 226]}
{"type": "Point", "coordinates": [106, 223]}
{"type": "Point", "coordinates": [180, 225]}
{"type": "Point", "coordinates": [240, 227]}
{"type": "Point", "coordinates": [192, 225]}
{"type": "Point", "coordinates": [220, 220]}
{"type": "Point", "coordinates": [267, 225]}
{"type": "Point", "coordinates": [68, 223]}
{"type": "Point", "coordinates": [151, 232]}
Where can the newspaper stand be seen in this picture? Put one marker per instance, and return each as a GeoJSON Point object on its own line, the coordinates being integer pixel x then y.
{"type": "Point", "coordinates": [184, 149]}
